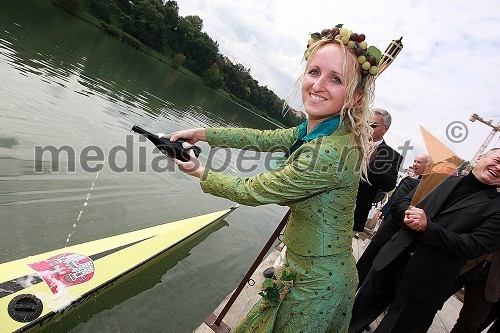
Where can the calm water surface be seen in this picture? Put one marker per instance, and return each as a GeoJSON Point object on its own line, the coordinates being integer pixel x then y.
{"type": "Point", "coordinates": [66, 84]}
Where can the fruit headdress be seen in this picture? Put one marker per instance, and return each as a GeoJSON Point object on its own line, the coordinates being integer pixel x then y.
{"type": "Point", "coordinates": [371, 60]}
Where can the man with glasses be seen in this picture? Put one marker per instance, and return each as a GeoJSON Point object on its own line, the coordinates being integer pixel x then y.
{"type": "Point", "coordinates": [415, 270]}
{"type": "Point", "coordinates": [382, 170]}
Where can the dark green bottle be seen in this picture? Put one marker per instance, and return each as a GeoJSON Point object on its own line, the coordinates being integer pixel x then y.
{"type": "Point", "coordinates": [175, 149]}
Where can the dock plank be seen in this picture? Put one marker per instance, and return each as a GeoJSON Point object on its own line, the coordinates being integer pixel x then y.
{"type": "Point", "coordinates": [248, 297]}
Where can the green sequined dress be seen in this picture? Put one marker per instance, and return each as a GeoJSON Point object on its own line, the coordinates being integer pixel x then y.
{"type": "Point", "coordinates": [319, 182]}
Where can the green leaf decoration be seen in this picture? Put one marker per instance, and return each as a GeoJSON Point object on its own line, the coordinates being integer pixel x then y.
{"type": "Point", "coordinates": [268, 283]}
{"type": "Point", "coordinates": [316, 36]}
{"type": "Point", "coordinates": [287, 275]}
{"type": "Point", "coordinates": [372, 50]}
{"type": "Point", "coordinates": [271, 288]}
{"type": "Point", "coordinates": [339, 25]}
{"type": "Point", "coordinates": [273, 295]}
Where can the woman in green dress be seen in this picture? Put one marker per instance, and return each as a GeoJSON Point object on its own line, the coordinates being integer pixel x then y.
{"type": "Point", "coordinates": [314, 291]}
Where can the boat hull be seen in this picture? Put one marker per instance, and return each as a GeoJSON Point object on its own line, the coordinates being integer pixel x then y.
{"type": "Point", "coordinates": [35, 289]}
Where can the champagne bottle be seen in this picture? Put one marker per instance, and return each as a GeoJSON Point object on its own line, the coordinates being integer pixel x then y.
{"type": "Point", "coordinates": [175, 149]}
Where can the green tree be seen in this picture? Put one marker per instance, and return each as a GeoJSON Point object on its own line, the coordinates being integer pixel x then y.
{"type": "Point", "coordinates": [148, 20]}
{"type": "Point", "coordinates": [192, 23]}
{"type": "Point", "coordinates": [200, 50]}
{"type": "Point", "coordinates": [171, 21]}
{"type": "Point", "coordinates": [72, 6]}
{"type": "Point", "coordinates": [234, 79]}
{"type": "Point", "coordinates": [104, 9]}
{"type": "Point", "coordinates": [213, 78]}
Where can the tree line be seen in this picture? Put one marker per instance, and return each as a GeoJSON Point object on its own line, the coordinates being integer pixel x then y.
{"type": "Point", "coordinates": [157, 25]}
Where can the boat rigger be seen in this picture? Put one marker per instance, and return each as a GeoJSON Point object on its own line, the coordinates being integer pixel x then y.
{"type": "Point", "coordinates": [36, 289]}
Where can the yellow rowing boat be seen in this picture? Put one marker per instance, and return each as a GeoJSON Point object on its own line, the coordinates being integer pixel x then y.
{"type": "Point", "coordinates": [36, 289]}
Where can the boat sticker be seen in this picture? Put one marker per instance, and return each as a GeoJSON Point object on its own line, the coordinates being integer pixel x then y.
{"type": "Point", "coordinates": [12, 286]}
{"type": "Point", "coordinates": [64, 270]}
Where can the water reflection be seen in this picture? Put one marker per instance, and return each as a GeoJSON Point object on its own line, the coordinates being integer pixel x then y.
{"type": "Point", "coordinates": [67, 83]}
{"type": "Point", "coordinates": [148, 277]}
{"type": "Point", "coordinates": [80, 62]}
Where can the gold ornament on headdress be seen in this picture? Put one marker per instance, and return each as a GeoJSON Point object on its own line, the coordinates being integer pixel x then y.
{"type": "Point", "coordinates": [390, 54]}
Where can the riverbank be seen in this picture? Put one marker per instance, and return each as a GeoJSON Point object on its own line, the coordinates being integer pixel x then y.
{"type": "Point", "coordinates": [80, 10]}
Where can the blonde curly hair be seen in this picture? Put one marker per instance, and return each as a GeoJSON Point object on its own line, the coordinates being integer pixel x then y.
{"type": "Point", "coordinates": [355, 115]}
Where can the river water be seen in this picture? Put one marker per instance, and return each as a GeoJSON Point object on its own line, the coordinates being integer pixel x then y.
{"type": "Point", "coordinates": [69, 87]}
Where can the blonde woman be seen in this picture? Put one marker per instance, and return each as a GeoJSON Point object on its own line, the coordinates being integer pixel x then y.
{"type": "Point", "coordinates": [327, 156]}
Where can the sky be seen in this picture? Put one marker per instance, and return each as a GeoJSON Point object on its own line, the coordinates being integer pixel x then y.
{"type": "Point", "coordinates": [448, 68]}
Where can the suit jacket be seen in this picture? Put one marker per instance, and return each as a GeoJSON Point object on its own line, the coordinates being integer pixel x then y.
{"type": "Point", "coordinates": [382, 175]}
{"type": "Point", "coordinates": [428, 183]}
{"type": "Point", "coordinates": [392, 225]}
{"type": "Point", "coordinates": [492, 290]}
{"type": "Point", "coordinates": [406, 185]}
{"type": "Point", "coordinates": [466, 230]}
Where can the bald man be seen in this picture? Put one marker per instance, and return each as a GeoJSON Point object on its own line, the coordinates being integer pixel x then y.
{"type": "Point", "coordinates": [421, 164]}
{"type": "Point", "coordinates": [415, 270]}
{"type": "Point", "coordinates": [389, 225]}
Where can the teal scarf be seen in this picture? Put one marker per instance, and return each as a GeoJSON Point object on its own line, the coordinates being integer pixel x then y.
{"type": "Point", "coordinates": [325, 128]}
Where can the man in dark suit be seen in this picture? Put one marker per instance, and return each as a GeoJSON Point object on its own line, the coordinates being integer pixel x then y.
{"type": "Point", "coordinates": [421, 165]}
{"type": "Point", "coordinates": [382, 170]}
{"type": "Point", "coordinates": [390, 225]}
{"type": "Point", "coordinates": [415, 270]}
{"type": "Point", "coordinates": [388, 228]}
{"type": "Point", "coordinates": [492, 320]}
{"type": "Point", "coordinates": [481, 279]}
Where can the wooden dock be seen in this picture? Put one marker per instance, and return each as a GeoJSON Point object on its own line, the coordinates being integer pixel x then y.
{"type": "Point", "coordinates": [443, 322]}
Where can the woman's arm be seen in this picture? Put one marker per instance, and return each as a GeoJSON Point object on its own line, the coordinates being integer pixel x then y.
{"type": "Point", "coordinates": [252, 139]}
{"type": "Point", "coordinates": [307, 174]}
